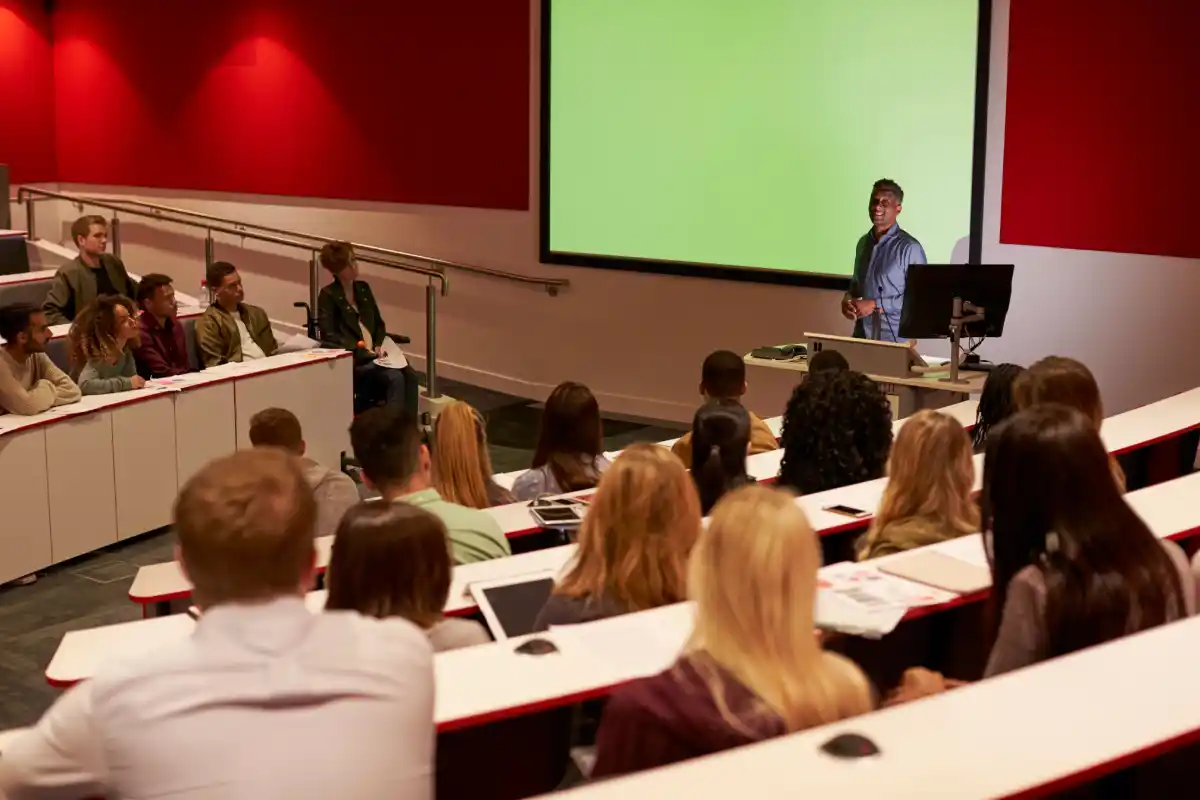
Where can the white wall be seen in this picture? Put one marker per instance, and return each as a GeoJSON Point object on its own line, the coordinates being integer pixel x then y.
{"type": "Point", "coordinates": [638, 339]}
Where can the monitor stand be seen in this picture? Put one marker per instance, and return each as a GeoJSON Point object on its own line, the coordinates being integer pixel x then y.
{"type": "Point", "coordinates": [963, 313]}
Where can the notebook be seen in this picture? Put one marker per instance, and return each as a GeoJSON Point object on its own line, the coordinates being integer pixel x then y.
{"type": "Point", "coordinates": [939, 570]}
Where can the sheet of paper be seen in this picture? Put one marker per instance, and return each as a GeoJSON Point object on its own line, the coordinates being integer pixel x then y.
{"type": "Point", "coordinates": [393, 356]}
{"type": "Point", "coordinates": [632, 644]}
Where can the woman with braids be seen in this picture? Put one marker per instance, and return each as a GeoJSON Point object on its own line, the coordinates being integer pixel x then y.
{"type": "Point", "coordinates": [103, 337]}
{"type": "Point", "coordinates": [996, 403]}
{"type": "Point", "coordinates": [837, 431]}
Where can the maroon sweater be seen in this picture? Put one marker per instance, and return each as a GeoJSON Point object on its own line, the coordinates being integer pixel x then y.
{"type": "Point", "coordinates": [672, 716]}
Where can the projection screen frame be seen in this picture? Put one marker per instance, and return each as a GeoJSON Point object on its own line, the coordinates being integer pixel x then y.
{"type": "Point", "coordinates": [751, 274]}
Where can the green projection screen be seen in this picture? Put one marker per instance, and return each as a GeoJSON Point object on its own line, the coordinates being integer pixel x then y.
{"type": "Point", "coordinates": [740, 138]}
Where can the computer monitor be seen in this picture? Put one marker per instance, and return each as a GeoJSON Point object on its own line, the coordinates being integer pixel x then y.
{"type": "Point", "coordinates": [930, 292]}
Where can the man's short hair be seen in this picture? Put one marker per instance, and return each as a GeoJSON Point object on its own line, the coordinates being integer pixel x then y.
{"type": "Point", "coordinates": [15, 319]}
{"type": "Point", "coordinates": [276, 427]}
{"type": "Point", "coordinates": [827, 360]}
{"type": "Point", "coordinates": [387, 442]}
{"type": "Point", "coordinates": [891, 187]}
{"type": "Point", "coordinates": [83, 226]}
{"type": "Point", "coordinates": [723, 375]}
{"type": "Point", "coordinates": [245, 526]}
{"type": "Point", "coordinates": [150, 284]}
{"type": "Point", "coordinates": [336, 256]}
{"type": "Point", "coordinates": [214, 276]}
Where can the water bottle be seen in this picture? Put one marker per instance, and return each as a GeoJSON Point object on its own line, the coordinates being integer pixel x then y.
{"type": "Point", "coordinates": [203, 296]}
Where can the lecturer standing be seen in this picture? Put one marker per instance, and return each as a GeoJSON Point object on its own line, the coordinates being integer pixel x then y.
{"type": "Point", "coordinates": [881, 267]}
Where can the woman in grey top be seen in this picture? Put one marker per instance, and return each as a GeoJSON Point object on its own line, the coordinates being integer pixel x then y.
{"type": "Point", "coordinates": [569, 451]}
{"type": "Point", "coordinates": [1072, 564]}
{"type": "Point", "coordinates": [392, 560]}
{"type": "Point", "coordinates": [103, 337]}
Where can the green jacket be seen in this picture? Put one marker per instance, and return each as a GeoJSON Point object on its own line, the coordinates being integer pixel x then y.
{"type": "Point", "coordinates": [339, 321]}
{"type": "Point", "coordinates": [74, 286]}
{"type": "Point", "coordinates": [217, 339]}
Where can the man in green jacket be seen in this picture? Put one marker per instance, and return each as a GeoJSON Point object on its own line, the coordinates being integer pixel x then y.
{"type": "Point", "coordinates": [229, 329]}
{"type": "Point", "coordinates": [93, 273]}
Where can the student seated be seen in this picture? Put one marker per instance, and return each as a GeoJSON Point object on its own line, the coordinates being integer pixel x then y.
{"type": "Point", "coordinates": [996, 402]}
{"type": "Point", "coordinates": [753, 668]}
{"type": "Point", "coordinates": [723, 377]}
{"type": "Point", "coordinates": [93, 273]}
{"type": "Point", "coordinates": [163, 349]}
{"type": "Point", "coordinates": [103, 337]}
{"type": "Point", "coordinates": [335, 492]}
{"type": "Point", "coordinates": [633, 543]}
{"type": "Point", "coordinates": [388, 443]}
{"type": "Point", "coordinates": [720, 441]}
{"type": "Point", "coordinates": [827, 361]}
{"type": "Point", "coordinates": [1072, 564]}
{"type": "Point", "coordinates": [230, 329]}
{"type": "Point", "coordinates": [928, 494]}
{"type": "Point", "coordinates": [350, 320]}
{"type": "Point", "coordinates": [390, 560]}
{"type": "Point", "coordinates": [264, 698]}
{"type": "Point", "coordinates": [30, 383]}
{"type": "Point", "coordinates": [569, 454]}
{"type": "Point", "coordinates": [462, 468]}
{"type": "Point", "coordinates": [837, 431]}
{"type": "Point", "coordinates": [1056, 379]}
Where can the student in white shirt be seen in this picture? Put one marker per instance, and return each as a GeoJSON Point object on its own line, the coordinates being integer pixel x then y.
{"type": "Point", "coordinates": [231, 329]}
{"type": "Point", "coordinates": [264, 699]}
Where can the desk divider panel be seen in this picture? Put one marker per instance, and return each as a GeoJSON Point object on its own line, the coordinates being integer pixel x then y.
{"type": "Point", "coordinates": [25, 500]}
{"type": "Point", "coordinates": [83, 505]}
{"type": "Point", "coordinates": [144, 459]}
{"type": "Point", "coordinates": [202, 429]}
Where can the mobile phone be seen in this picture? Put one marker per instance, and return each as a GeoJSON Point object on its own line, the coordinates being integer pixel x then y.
{"type": "Point", "coordinates": [558, 514]}
{"type": "Point", "coordinates": [847, 511]}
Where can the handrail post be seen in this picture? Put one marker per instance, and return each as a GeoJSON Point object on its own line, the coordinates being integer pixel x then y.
{"type": "Point", "coordinates": [208, 250]}
{"type": "Point", "coordinates": [314, 271]}
{"type": "Point", "coordinates": [431, 341]}
{"type": "Point", "coordinates": [30, 227]}
{"type": "Point", "coordinates": [114, 228]}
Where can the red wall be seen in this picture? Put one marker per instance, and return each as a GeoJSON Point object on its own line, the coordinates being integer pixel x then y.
{"type": "Point", "coordinates": [1102, 119]}
{"type": "Point", "coordinates": [414, 102]}
{"type": "Point", "coordinates": [26, 92]}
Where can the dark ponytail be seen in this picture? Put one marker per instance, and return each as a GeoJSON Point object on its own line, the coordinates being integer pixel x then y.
{"type": "Point", "coordinates": [720, 440]}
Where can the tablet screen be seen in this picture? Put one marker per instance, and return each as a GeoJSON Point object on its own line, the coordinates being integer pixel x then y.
{"type": "Point", "coordinates": [515, 606]}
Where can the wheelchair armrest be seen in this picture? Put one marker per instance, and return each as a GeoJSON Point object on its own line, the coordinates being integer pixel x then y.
{"type": "Point", "coordinates": [398, 339]}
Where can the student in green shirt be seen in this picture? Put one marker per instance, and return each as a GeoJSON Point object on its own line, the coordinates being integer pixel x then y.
{"type": "Point", "coordinates": [395, 460]}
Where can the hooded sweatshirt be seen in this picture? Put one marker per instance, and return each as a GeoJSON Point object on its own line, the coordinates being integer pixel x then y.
{"type": "Point", "coordinates": [672, 716]}
{"type": "Point", "coordinates": [335, 492]}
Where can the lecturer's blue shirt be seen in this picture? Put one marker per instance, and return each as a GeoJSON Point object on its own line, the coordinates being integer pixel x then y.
{"type": "Point", "coordinates": [880, 272]}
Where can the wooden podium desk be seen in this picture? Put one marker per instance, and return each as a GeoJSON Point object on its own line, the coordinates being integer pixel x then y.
{"type": "Point", "coordinates": [907, 395]}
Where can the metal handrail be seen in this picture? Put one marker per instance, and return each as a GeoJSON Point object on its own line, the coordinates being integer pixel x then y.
{"type": "Point", "coordinates": [30, 194]}
{"type": "Point", "coordinates": [551, 285]}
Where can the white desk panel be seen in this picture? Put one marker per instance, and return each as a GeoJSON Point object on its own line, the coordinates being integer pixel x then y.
{"type": "Point", "coordinates": [83, 504]}
{"type": "Point", "coordinates": [25, 500]}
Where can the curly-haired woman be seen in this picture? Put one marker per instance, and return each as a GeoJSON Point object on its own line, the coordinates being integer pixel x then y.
{"type": "Point", "coordinates": [103, 337]}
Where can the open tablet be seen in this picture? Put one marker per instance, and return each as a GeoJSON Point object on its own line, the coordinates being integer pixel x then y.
{"type": "Point", "coordinates": [511, 605]}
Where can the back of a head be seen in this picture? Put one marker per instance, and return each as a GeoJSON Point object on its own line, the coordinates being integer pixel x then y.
{"type": "Point", "coordinates": [277, 427]}
{"type": "Point", "coordinates": [336, 256]}
{"type": "Point", "coordinates": [387, 442]}
{"type": "Point", "coordinates": [837, 430]}
{"type": "Point", "coordinates": [1049, 500]}
{"type": "Point", "coordinates": [720, 441]}
{"type": "Point", "coordinates": [997, 401]}
{"type": "Point", "coordinates": [390, 560]}
{"type": "Point", "coordinates": [638, 531]}
{"type": "Point", "coordinates": [1057, 379]}
{"type": "Point", "coordinates": [93, 334]}
{"type": "Point", "coordinates": [826, 361]}
{"type": "Point", "coordinates": [245, 527]}
{"type": "Point", "coordinates": [461, 467]}
{"type": "Point", "coordinates": [571, 436]}
{"type": "Point", "coordinates": [753, 575]}
{"type": "Point", "coordinates": [15, 320]}
{"type": "Point", "coordinates": [723, 375]}
{"type": "Point", "coordinates": [930, 474]}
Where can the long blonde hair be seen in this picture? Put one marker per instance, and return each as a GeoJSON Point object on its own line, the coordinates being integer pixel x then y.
{"type": "Point", "coordinates": [639, 529]}
{"type": "Point", "coordinates": [462, 469]}
{"type": "Point", "coordinates": [930, 475]}
{"type": "Point", "coordinates": [753, 575]}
